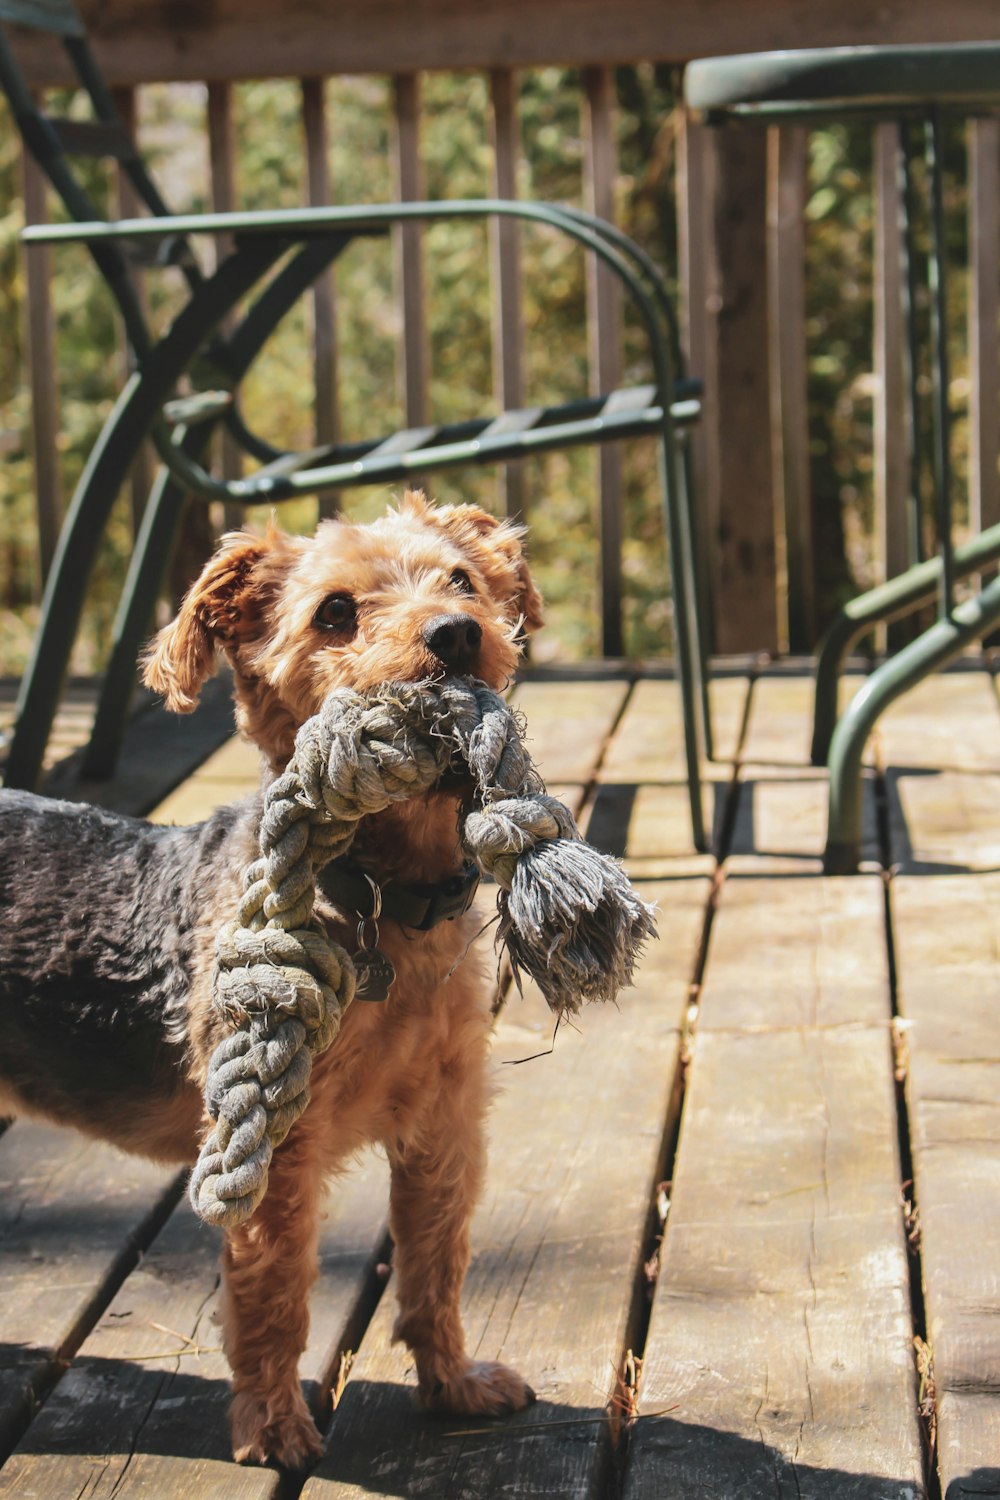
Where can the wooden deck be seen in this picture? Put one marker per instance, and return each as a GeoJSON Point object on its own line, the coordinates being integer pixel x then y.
{"type": "Point", "coordinates": [754, 1212]}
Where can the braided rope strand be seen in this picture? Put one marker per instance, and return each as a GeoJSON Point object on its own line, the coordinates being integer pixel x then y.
{"type": "Point", "coordinates": [568, 916]}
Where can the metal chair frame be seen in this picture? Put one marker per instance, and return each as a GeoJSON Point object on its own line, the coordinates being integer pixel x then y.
{"type": "Point", "coordinates": [922, 85]}
{"type": "Point", "coordinates": [308, 240]}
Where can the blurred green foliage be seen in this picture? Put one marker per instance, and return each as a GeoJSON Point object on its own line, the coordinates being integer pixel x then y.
{"type": "Point", "coordinates": [457, 160]}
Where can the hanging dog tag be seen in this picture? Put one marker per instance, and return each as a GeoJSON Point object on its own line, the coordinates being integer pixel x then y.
{"type": "Point", "coordinates": [375, 974]}
{"type": "Point", "coordinates": [374, 969]}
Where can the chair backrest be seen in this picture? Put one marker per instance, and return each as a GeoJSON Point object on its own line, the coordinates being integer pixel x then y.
{"type": "Point", "coordinates": [53, 140]}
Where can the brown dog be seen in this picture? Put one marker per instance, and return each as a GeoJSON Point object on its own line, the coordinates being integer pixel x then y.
{"type": "Point", "coordinates": [421, 593]}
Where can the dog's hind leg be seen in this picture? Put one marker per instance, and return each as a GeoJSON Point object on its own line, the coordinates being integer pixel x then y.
{"type": "Point", "coordinates": [436, 1178]}
{"type": "Point", "coordinates": [269, 1265]}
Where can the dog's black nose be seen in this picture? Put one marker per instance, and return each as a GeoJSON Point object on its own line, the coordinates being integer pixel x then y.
{"type": "Point", "coordinates": [454, 639]}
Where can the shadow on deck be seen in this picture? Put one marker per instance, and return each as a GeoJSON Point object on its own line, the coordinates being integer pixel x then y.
{"type": "Point", "coordinates": [770, 1175]}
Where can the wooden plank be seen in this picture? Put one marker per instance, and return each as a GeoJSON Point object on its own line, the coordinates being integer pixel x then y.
{"type": "Point", "coordinates": [232, 772]}
{"type": "Point", "coordinates": [779, 1350]}
{"type": "Point", "coordinates": [779, 723]}
{"type": "Point", "coordinates": [892, 452]}
{"type": "Point", "coordinates": [941, 750]}
{"type": "Point", "coordinates": [326, 410]}
{"type": "Point", "coordinates": [568, 724]}
{"type": "Point", "coordinates": [558, 1246]}
{"type": "Point", "coordinates": [505, 254]}
{"type": "Point", "coordinates": [786, 200]}
{"type": "Point", "coordinates": [742, 553]}
{"type": "Point", "coordinates": [640, 810]}
{"type": "Point", "coordinates": [142, 1412]}
{"type": "Point", "coordinates": [414, 365]}
{"type": "Point", "coordinates": [160, 749]}
{"type": "Point", "coordinates": [137, 40]}
{"type": "Point", "coordinates": [649, 746]}
{"type": "Point", "coordinates": [649, 827]}
{"type": "Point", "coordinates": [947, 935]}
{"type": "Point", "coordinates": [781, 823]}
{"type": "Point", "coordinates": [74, 1218]}
{"type": "Point", "coordinates": [984, 312]}
{"type": "Point", "coordinates": [42, 370]}
{"type": "Point", "coordinates": [781, 815]}
{"type": "Point", "coordinates": [604, 327]}
{"type": "Point", "coordinates": [73, 721]}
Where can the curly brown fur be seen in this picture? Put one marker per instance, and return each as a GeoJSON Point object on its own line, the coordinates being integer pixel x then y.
{"type": "Point", "coordinates": [107, 932]}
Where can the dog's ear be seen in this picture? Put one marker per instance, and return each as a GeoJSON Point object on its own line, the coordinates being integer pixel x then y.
{"type": "Point", "coordinates": [221, 609]}
{"type": "Point", "coordinates": [496, 545]}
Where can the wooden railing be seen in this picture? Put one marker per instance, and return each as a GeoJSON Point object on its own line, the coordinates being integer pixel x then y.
{"type": "Point", "coordinates": [741, 197]}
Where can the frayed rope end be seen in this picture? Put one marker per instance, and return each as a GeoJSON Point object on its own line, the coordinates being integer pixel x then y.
{"type": "Point", "coordinates": [573, 922]}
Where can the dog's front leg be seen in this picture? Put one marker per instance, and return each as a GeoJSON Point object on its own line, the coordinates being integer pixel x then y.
{"type": "Point", "coordinates": [269, 1265]}
{"type": "Point", "coordinates": [436, 1179]}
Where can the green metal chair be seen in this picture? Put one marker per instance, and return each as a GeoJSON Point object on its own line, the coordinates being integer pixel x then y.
{"type": "Point", "coordinates": [198, 345]}
{"type": "Point", "coordinates": [919, 86]}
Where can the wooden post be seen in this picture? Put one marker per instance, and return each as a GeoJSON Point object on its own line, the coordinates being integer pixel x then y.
{"type": "Point", "coordinates": [42, 370]}
{"type": "Point", "coordinates": [984, 234]}
{"type": "Point", "coordinates": [786, 301]}
{"type": "Point", "coordinates": [222, 166]}
{"type": "Point", "coordinates": [327, 414]}
{"type": "Point", "coordinates": [129, 207]}
{"type": "Point", "coordinates": [604, 324]}
{"type": "Point", "coordinates": [698, 296]}
{"type": "Point", "coordinates": [408, 244]}
{"type": "Point", "coordinates": [505, 253]}
{"type": "Point", "coordinates": [743, 558]}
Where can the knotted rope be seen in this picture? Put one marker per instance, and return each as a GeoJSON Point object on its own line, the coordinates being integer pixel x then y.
{"type": "Point", "coordinates": [568, 916]}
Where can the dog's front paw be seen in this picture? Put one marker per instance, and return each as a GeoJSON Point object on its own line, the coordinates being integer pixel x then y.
{"type": "Point", "coordinates": [263, 1431]}
{"type": "Point", "coordinates": [480, 1389]}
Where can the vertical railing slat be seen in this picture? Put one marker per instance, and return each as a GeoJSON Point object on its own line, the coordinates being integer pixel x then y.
{"type": "Point", "coordinates": [786, 303]}
{"type": "Point", "coordinates": [408, 244]}
{"type": "Point", "coordinates": [694, 238]}
{"type": "Point", "coordinates": [505, 253]}
{"type": "Point", "coordinates": [222, 171]}
{"type": "Point", "coordinates": [42, 370]}
{"type": "Point", "coordinates": [327, 414]}
{"type": "Point", "coordinates": [984, 273]}
{"type": "Point", "coordinates": [222, 177]}
{"type": "Point", "coordinates": [604, 324]}
{"type": "Point", "coordinates": [892, 466]}
{"type": "Point", "coordinates": [129, 207]}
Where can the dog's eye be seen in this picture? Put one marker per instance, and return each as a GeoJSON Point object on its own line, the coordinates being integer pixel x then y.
{"type": "Point", "coordinates": [336, 612]}
{"type": "Point", "coordinates": [460, 580]}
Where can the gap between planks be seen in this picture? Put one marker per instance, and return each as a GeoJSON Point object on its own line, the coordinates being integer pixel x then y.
{"type": "Point", "coordinates": [779, 1341]}
{"type": "Point", "coordinates": [942, 757]}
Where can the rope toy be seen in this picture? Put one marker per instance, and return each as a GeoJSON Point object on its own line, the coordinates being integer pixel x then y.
{"type": "Point", "coordinates": [568, 916]}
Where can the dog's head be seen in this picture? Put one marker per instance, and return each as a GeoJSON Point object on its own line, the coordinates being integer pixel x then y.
{"type": "Point", "coordinates": [423, 592]}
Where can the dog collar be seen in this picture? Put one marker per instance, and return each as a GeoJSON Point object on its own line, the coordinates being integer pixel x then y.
{"type": "Point", "coordinates": [420, 906]}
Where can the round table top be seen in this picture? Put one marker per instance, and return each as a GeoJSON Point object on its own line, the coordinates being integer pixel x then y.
{"type": "Point", "coordinates": [830, 80]}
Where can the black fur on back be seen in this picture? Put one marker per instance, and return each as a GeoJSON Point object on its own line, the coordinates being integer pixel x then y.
{"type": "Point", "coordinates": [105, 922]}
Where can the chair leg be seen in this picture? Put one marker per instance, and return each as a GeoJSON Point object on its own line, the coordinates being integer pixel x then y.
{"type": "Point", "coordinates": [157, 536]}
{"type": "Point", "coordinates": [685, 626]}
{"type": "Point", "coordinates": [937, 646]}
{"type": "Point", "coordinates": [132, 418]}
{"type": "Point", "coordinates": [697, 609]}
{"type": "Point", "coordinates": [154, 547]}
{"type": "Point", "coordinates": [62, 604]}
{"type": "Point", "coordinates": [888, 601]}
